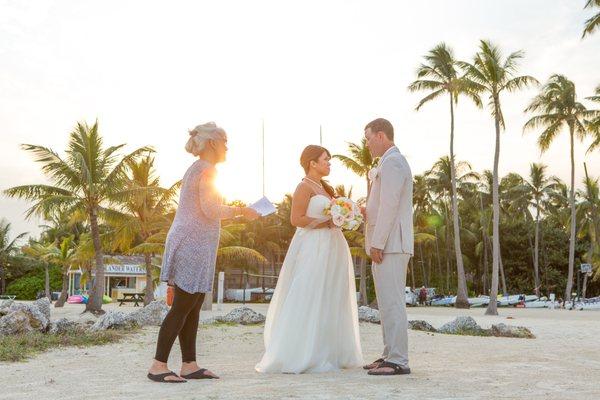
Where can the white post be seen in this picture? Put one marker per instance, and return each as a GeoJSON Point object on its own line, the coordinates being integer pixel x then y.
{"type": "Point", "coordinates": [220, 287]}
{"type": "Point", "coordinates": [552, 298]}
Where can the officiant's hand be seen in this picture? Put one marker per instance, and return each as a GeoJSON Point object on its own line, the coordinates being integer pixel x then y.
{"type": "Point", "coordinates": [376, 255]}
{"type": "Point", "coordinates": [249, 213]}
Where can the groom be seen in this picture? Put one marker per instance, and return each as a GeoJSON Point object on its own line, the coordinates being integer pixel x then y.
{"type": "Point", "coordinates": [389, 241]}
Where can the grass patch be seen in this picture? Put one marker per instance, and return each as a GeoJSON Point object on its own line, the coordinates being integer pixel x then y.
{"type": "Point", "coordinates": [473, 332]}
{"type": "Point", "coordinates": [21, 347]}
{"type": "Point", "coordinates": [219, 324]}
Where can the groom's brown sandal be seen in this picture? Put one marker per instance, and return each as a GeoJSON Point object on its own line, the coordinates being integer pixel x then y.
{"type": "Point", "coordinates": [200, 374]}
{"type": "Point", "coordinates": [374, 364]}
{"type": "Point", "coordinates": [396, 369]}
{"type": "Point", "coordinates": [161, 377]}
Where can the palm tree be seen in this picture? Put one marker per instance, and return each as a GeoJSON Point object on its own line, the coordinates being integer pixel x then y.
{"type": "Point", "coordinates": [7, 248]}
{"type": "Point", "coordinates": [440, 75]}
{"type": "Point", "coordinates": [588, 210]}
{"type": "Point", "coordinates": [593, 124]}
{"type": "Point", "coordinates": [42, 252]}
{"type": "Point", "coordinates": [536, 189]}
{"type": "Point", "coordinates": [494, 75]}
{"type": "Point", "coordinates": [591, 24]}
{"type": "Point", "coordinates": [64, 256]}
{"type": "Point", "coordinates": [360, 162]}
{"type": "Point", "coordinates": [263, 235]}
{"type": "Point", "coordinates": [558, 108]}
{"type": "Point", "coordinates": [84, 182]}
{"type": "Point", "coordinates": [143, 211]}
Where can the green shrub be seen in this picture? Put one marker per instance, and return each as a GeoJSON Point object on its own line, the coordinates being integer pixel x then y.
{"type": "Point", "coordinates": [28, 286]}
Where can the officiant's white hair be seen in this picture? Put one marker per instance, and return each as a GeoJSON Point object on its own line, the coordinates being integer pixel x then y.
{"type": "Point", "coordinates": [201, 134]}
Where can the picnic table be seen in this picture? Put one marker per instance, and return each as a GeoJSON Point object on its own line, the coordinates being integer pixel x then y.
{"type": "Point", "coordinates": [7, 297]}
{"type": "Point", "coordinates": [135, 298]}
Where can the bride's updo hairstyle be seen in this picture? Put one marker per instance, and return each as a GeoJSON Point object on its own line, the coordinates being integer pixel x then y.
{"type": "Point", "coordinates": [310, 153]}
{"type": "Point", "coordinates": [201, 134]}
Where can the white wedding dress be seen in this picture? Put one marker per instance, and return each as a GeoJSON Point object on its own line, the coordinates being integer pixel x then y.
{"type": "Point", "coordinates": [312, 322]}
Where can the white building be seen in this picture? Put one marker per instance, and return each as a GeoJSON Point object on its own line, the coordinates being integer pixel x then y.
{"type": "Point", "coordinates": [122, 274]}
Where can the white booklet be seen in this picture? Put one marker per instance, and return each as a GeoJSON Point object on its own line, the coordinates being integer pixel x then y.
{"type": "Point", "coordinates": [264, 207]}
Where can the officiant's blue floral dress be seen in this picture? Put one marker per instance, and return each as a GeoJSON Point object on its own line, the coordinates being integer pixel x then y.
{"type": "Point", "coordinates": [191, 247]}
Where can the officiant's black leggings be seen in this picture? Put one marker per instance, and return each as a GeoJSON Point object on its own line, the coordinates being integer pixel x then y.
{"type": "Point", "coordinates": [182, 321]}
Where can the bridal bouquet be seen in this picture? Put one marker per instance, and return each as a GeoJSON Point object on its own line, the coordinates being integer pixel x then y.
{"type": "Point", "coordinates": [344, 213]}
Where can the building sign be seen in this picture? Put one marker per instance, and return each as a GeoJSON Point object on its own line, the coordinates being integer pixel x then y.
{"type": "Point", "coordinates": [125, 269]}
{"type": "Point", "coordinates": [586, 268]}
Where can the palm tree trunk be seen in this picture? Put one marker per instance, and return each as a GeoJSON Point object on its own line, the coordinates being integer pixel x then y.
{"type": "Point", "coordinates": [63, 292]}
{"type": "Point", "coordinates": [492, 308]}
{"type": "Point", "coordinates": [412, 273]}
{"type": "Point", "coordinates": [536, 251]}
{"type": "Point", "coordinates": [502, 275]}
{"type": "Point", "coordinates": [429, 270]}
{"type": "Point", "coordinates": [569, 287]}
{"type": "Point", "coordinates": [485, 249]}
{"type": "Point", "coordinates": [94, 304]}
{"type": "Point", "coordinates": [363, 262]}
{"type": "Point", "coordinates": [439, 261]}
{"type": "Point", "coordinates": [2, 279]}
{"type": "Point", "coordinates": [422, 261]}
{"type": "Point", "coordinates": [47, 281]}
{"type": "Point", "coordinates": [363, 282]}
{"type": "Point", "coordinates": [149, 291]}
{"type": "Point", "coordinates": [462, 300]}
{"type": "Point", "coordinates": [447, 259]}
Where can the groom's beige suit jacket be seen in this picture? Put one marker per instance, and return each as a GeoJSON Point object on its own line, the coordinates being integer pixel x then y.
{"type": "Point", "coordinates": [389, 222]}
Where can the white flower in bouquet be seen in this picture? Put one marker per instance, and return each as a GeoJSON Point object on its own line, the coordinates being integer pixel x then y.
{"type": "Point", "coordinates": [344, 213]}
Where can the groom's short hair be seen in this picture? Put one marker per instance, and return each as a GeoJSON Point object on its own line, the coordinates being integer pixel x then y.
{"type": "Point", "coordinates": [383, 125]}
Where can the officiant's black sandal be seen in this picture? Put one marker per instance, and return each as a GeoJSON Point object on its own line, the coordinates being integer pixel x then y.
{"type": "Point", "coordinates": [374, 364]}
{"type": "Point", "coordinates": [396, 369]}
{"type": "Point", "coordinates": [200, 374]}
{"type": "Point", "coordinates": [161, 377]}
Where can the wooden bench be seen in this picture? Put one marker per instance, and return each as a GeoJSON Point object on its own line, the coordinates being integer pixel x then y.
{"type": "Point", "coordinates": [135, 298]}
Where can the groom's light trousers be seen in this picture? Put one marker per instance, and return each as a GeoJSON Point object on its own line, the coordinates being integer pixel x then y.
{"type": "Point", "coordinates": [390, 286]}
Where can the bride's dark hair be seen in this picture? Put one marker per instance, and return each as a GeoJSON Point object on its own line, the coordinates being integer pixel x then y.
{"type": "Point", "coordinates": [313, 152]}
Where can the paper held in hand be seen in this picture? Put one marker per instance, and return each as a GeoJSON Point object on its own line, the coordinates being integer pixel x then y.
{"type": "Point", "coordinates": [264, 207]}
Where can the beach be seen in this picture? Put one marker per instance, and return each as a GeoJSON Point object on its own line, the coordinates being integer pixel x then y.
{"type": "Point", "coordinates": [562, 362]}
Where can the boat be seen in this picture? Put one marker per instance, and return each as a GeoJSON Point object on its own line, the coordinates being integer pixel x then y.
{"type": "Point", "coordinates": [588, 304]}
{"type": "Point", "coordinates": [542, 302]}
{"type": "Point", "coordinates": [506, 301]}
{"type": "Point", "coordinates": [479, 301]}
{"type": "Point", "coordinates": [444, 301]}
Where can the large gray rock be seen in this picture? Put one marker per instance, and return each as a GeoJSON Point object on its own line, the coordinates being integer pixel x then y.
{"type": "Point", "coordinates": [153, 314]}
{"type": "Point", "coordinates": [504, 330]}
{"type": "Point", "coordinates": [36, 314]}
{"type": "Point", "coordinates": [113, 320]}
{"type": "Point", "coordinates": [419, 325]}
{"type": "Point", "coordinates": [16, 322]}
{"type": "Point", "coordinates": [244, 316]}
{"type": "Point", "coordinates": [64, 325]}
{"type": "Point", "coordinates": [368, 314]}
{"type": "Point", "coordinates": [462, 325]}
{"type": "Point", "coordinates": [43, 305]}
{"type": "Point", "coordinates": [5, 306]}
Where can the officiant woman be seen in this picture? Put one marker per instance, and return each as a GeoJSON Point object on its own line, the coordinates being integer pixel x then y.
{"type": "Point", "coordinates": [190, 255]}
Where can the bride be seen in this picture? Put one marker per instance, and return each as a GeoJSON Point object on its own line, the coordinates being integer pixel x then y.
{"type": "Point", "coordinates": [312, 322]}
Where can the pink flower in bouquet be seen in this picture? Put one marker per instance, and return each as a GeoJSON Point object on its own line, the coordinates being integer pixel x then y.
{"type": "Point", "coordinates": [338, 220]}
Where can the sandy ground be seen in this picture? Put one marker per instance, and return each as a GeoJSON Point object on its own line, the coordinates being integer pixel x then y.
{"type": "Point", "coordinates": [563, 362]}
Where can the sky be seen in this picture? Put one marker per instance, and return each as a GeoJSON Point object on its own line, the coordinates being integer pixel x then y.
{"type": "Point", "coordinates": [149, 71]}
